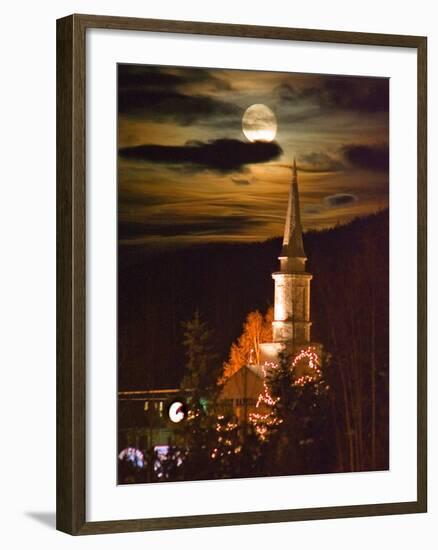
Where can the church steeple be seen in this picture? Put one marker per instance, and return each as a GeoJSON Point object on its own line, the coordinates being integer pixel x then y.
{"type": "Point", "coordinates": [291, 325]}
{"type": "Point", "coordinates": [293, 257]}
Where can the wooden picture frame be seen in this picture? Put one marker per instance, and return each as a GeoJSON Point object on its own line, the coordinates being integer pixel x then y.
{"type": "Point", "coordinates": [71, 272]}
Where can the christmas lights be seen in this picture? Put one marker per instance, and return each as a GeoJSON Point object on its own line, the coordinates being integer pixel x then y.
{"type": "Point", "coordinates": [225, 428]}
{"type": "Point", "coordinates": [266, 397]}
{"type": "Point", "coordinates": [262, 422]}
{"type": "Point", "coordinates": [313, 364]}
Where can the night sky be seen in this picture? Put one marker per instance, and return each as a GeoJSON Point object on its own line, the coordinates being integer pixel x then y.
{"type": "Point", "coordinates": [187, 173]}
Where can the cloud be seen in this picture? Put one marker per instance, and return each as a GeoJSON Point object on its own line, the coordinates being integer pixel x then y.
{"type": "Point", "coordinates": [221, 155]}
{"type": "Point", "coordinates": [167, 105]}
{"type": "Point", "coordinates": [138, 76]}
{"type": "Point", "coordinates": [129, 199]}
{"type": "Point", "coordinates": [150, 76]}
{"type": "Point", "coordinates": [208, 79]}
{"type": "Point", "coordinates": [164, 94]}
{"type": "Point", "coordinates": [361, 94]}
{"type": "Point", "coordinates": [319, 162]}
{"type": "Point", "coordinates": [224, 225]}
{"type": "Point", "coordinates": [311, 209]}
{"type": "Point", "coordinates": [340, 199]}
{"type": "Point", "coordinates": [241, 181]}
{"type": "Point", "coordinates": [368, 157]}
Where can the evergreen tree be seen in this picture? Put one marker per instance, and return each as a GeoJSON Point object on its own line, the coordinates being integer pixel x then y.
{"type": "Point", "coordinates": [198, 435]}
{"type": "Point", "coordinates": [296, 426]}
{"type": "Point", "coordinates": [202, 367]}
{"type": "Point", "coordinates": [210, 436]}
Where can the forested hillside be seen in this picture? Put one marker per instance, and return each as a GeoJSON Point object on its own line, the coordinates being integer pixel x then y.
{"type": "Point", "coordinates": [158, 290]}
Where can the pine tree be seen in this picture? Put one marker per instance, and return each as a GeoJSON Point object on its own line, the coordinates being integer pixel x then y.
{"type": "Point", "coordinates": [197, 434]}
{"type": "Point", "coordinates": [296, 426]}
{"type": "Point", "coordinates": [202, 368]}
{"type": "Point", "coordinates": [211, 437]}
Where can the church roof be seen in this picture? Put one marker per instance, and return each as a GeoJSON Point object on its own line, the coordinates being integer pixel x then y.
{"type": "Point", "coordinates": [293, 233]}
{"type": "Point", "coordinates": [256, 369]}
{"type": "Point", "coordinates": [252, 367]}
{"type": "Point", "coordinates": [260, 370]}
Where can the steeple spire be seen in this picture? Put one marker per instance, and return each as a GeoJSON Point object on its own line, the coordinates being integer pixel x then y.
{"type": "Point", "coordinates": [292, 253]}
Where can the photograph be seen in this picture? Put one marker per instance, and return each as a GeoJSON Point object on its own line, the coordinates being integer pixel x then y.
{"type": "Point", "coordinates": [252, 273]}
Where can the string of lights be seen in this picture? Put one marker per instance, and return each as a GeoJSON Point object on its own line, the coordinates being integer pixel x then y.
{"type": "Point", "coordinates": [313, 364]}
{"type": "Point", "coordinates": [262, 422]}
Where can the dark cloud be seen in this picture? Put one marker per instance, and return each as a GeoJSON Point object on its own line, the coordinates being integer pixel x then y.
{"type": "Point", "coordinates": [368, 157]}
{"type": "Point", "coordinates": [307, 114]}
{"type": "Point", "coordinates": [221, 155]}
{"type": "Point", "coordinates": [311, 209]}
{"type": "Point", "coordinates": [153, 77]}
{"type": "Point", "coordinates": [172, 106]}
{"type": "Point", "coordinates": [212, 79]}
{"type": "Point", "coordinates": [128, 199]}
{"type": "Point", "coordinates": [225, 225]}
{"type": "Point", "coordinates": [137, 76]}
{"type": "Point", "coordinates": [241, 181]}
{"type": "Point", "coordinates": [340, 199]}
{"type": "Point", "coordinates": [319, 162]}
{"type": "Point", "coordinates": [161, 94]}
{"type": "Point", "coordinates": [365, 95]}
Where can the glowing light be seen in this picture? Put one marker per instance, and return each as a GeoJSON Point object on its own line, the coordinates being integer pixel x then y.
{"type": "Point", "coordinates": [131, 454]}
{"type": "Point", "coordinates": [266, 397]}
{"type": "Point", "coordinates": [262, 422]}
{"type": "Point", "coordinates": [259, 123]}
{"type": "Point", "coordinates": [313, 364]}
{"type": "Point", "coordinates": [225, 428]}
{"type": "Point", "coordinates": [164, 456]}
{"type": "Point", "coordinates": [177, 412]}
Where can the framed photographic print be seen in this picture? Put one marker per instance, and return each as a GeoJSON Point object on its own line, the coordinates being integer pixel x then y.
{"type": "Point", "coordinates": [241, 288]}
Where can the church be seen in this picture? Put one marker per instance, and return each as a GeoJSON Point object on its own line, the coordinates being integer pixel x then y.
{"type": "Point", "coordinates": [291, 326]}
{"type": "Point", "coordinates": [144, 416]}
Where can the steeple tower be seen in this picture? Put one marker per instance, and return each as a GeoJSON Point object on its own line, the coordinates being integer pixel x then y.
{"type": "Point", "coordinates": [292, 255]}
{"type": "Point", "coordinates": [291, 325]}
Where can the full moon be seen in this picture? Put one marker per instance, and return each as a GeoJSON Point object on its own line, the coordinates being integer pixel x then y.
{"type": "Point", "coordinates": [259, 123]}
